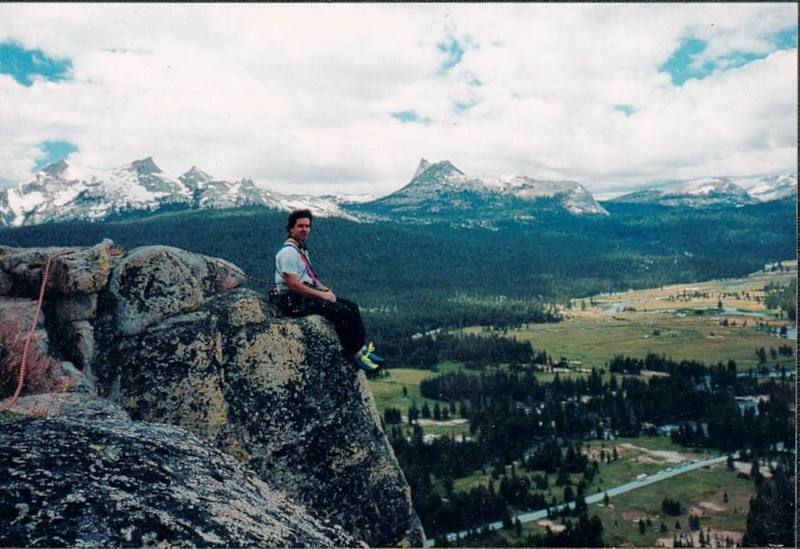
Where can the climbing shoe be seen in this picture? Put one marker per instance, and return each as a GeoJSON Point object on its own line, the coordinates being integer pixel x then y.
{"type": "Point", "coordinates": [365, 363]}
{"type": "Point", "coordinates": [370, 351]}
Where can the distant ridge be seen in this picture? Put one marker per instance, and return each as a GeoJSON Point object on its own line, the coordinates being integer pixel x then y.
{"type": "Point", "coordinates": [441, 191]}
{"type": "Point", "coordinates": [61, 192]}
{"type": "Point", "coordinates": [715, 191]}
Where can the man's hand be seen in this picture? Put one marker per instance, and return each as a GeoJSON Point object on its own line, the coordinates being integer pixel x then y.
{"type": "Point", "coordinates": [329, 296]}
{"type": "Point", "coordinates": [227, 283]}
{"type": "Point", "coordinates": [298, 287]}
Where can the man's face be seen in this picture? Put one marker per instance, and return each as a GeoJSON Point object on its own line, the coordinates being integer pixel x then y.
{"type": "Point", "coordinates": [301, 229]}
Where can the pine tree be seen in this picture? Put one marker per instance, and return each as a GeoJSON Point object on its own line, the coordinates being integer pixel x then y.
{"type": "Point", "coordinates": [426, 410]}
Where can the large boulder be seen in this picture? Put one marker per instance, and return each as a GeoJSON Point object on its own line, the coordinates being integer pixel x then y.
{"type": "Point", "coordinates": [156, 332]}
{"type": "Point", "coordinates": [154, 282]}
{"type": "Point", "coordinates": [72, 270]}
{"type": "Point", "coordinates": [79, 472]}
{"type": "Point", "coordinates": [84, 270]}
{"type": "Point", "coordinates": [278, 394]}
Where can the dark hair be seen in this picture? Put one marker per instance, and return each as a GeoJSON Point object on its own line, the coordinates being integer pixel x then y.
{"type": "Point", "coordinates": [298, 214]}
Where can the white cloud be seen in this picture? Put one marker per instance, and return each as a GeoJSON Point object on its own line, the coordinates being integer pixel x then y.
{"type": "Point", "coordinates": [298, 97]}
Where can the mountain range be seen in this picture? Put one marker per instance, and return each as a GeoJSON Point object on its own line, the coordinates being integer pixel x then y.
{"type": "Point", "coordinates": [62, 192]}
{"type": "Point", "coordinates": [436, 192]}
{"type": "Point", "coordinates": [442, 192]}
{"type": "Point", "coordinates": [715, 191]}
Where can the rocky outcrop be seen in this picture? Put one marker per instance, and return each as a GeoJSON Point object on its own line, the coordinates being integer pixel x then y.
{"type": "Point", "coordinates": [159, 338]}
{"type": "Point", "coordinates": [112, 482]}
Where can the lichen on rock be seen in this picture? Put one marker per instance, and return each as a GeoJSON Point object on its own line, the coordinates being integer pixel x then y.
{"type": "Point", "coordinates": [158, 337]}
{"type": "Point", "coordinates": [113, 482]}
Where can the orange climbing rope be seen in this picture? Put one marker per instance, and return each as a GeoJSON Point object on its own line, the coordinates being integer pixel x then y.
{"type": "Point", "coordinates": [114, 251]}
{"type": "Point", "coordinates": [29, 337]}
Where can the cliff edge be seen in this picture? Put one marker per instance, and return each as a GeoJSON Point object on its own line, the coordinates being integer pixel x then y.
{"type": "Point", "coordinates": [150, 334]}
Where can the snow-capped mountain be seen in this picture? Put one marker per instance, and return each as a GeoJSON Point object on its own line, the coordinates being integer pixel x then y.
{"type": "Point", "coordinates": [694, 193]}
{"type": "Point", "coordinates": [61, 192]}
{"type": "Point", "coordinates": [442, 191]}
{"type": "Point", "coordinates": [574, 196]}
{"type": "Point", "coordinates": [344, 199]}
{"type": "Point", "coordinates": [774, 187]}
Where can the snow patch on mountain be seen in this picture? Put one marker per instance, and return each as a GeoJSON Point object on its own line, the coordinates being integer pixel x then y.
{"type": "Point", "coordinates": [695, 193]}
{"type": "Point", "coordinates": [717, 191]}
{"type": "Point", "coordinates": [774, 187]}
{"type": "Point", "coordinates": [441, 188]}
{"type": "Point", "coordinates": [63, 192]}
{"type": "Point", "coordinates": [704, 186]}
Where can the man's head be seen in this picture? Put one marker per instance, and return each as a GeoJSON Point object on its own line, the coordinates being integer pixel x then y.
{"type": "Point", "coordinates": [299, 224]}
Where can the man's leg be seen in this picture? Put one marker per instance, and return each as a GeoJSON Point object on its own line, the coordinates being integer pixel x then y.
{"type": "Point", "coordinates": [346, 320]}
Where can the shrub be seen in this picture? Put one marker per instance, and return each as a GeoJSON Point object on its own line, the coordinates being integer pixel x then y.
{"type": "Point", "coordinates": [42, 375]}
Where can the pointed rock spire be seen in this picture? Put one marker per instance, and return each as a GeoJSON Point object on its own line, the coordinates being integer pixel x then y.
{"type": "Point", "coordinates": [145, 166]}
{"type": "Point", "coordinates": [423, 165]}
{"type": "Point", "coordinates": [56, 168]}
{"type": "Point", "coordinates": [195, 175]}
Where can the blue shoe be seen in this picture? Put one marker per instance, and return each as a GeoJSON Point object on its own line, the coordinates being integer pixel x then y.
{"type": "Point", "coordinates": [365, 363]}
{"type": "Point", "coordinates": [369, 349]}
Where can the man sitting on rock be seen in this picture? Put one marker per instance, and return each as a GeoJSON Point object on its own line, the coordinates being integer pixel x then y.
{"type": "Point", "coordinates": [300, 293]}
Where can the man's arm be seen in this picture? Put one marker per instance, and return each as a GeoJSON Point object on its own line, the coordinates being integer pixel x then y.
{"type": "Point", "coordinates": [294, 285]}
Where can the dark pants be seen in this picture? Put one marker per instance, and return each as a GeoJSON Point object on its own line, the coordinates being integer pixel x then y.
{"type": "Point", "coordinates": [344, 315]}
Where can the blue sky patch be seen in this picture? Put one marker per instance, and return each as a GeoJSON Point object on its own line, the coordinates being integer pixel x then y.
{"type": "Point", "coordinates": [679, 65]}
{"type": "Point", "coordinates": [54, 151]}
{"type": "Point", "coordinates": [453, 51]}
{"type": "Point", "coordinates": [409, 117]}
{"type": "Point", "coordinates": [463, 106]}
{"type": "Point", "coordinates": [626, 109]}
{"type": "Point", "coordinates": [785, 39]}
{"type": "Point", "coordinates": [738, 59]}
{"type": "Point", "coordinates": [24, 64]}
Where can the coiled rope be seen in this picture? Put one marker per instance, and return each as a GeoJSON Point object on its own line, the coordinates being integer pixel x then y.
{"type": "Point", "coordinates": [24, 361]}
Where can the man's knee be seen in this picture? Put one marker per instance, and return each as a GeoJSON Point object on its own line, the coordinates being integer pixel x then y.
{"type": "Point", "coordinates": [347, 304]}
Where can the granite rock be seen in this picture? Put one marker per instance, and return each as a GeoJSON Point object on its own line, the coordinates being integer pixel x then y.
{"type": "Point", "coordinates": [152, 283]}
{"type": "Point", "coordinates": [156, 333]}
{"type": "Point", "coordinates": [78, 472]}
{"type": "Point", "coordinates": [278, 394]}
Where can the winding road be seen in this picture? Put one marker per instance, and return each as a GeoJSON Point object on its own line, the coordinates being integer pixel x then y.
{"type": "Point", "coordinates": [594, 498]}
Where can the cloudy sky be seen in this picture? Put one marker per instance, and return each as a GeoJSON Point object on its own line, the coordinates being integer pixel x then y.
{"type": "Point", "coordinates": [340, 98]}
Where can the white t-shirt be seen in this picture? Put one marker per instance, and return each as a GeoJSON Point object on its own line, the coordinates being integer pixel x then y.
{"type": "Point", "coordinates": [288, 260]}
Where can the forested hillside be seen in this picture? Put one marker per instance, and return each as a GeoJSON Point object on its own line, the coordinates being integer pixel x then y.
{"type": "Point", "coordinates": [424, 276]}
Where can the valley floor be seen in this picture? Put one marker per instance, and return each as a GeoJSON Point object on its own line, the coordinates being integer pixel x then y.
{"type": "Point", "coordinates": [709, 322]}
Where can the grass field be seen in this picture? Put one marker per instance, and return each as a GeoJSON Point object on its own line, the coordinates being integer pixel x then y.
{"type": "Point", "coordinates": [680, 321]}
{"type": "Point", "coordinates": [591, 342]}
{"type": "Point", "coordinates": [388, 391]}
{"type": "Point", "coordinates": [636, 456]}
{"type": "Point", "coordinates": [701, 492]}
{"type": "Point", "coordinates": [663, 323]}
{"type": "Point", "coordinates": [745, 293]}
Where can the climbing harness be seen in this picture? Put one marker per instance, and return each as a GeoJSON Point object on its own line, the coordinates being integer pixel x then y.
{"type": "Point", "coordinates": [24, 361]}
{"type": "Point", "coordinates": [290, 243]}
